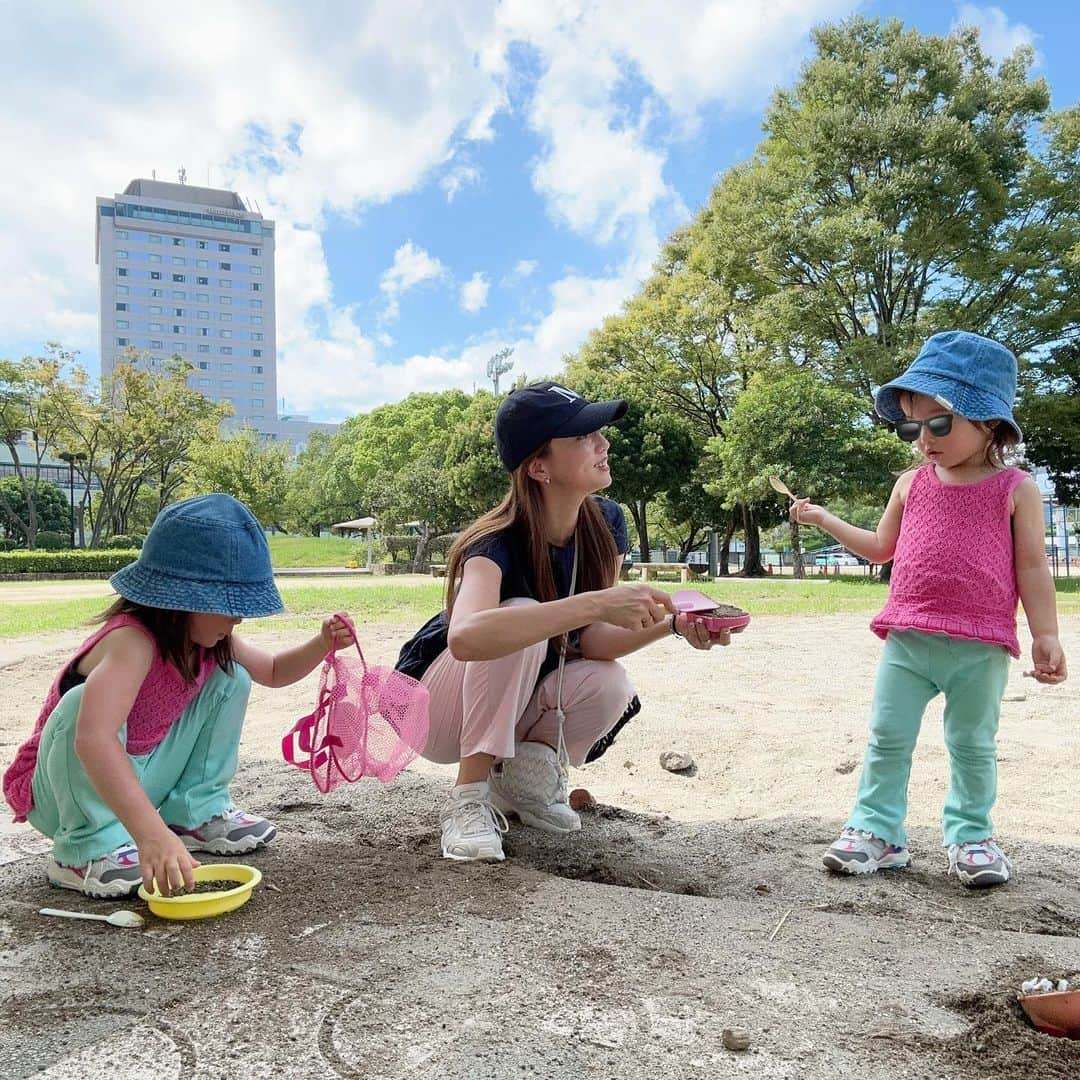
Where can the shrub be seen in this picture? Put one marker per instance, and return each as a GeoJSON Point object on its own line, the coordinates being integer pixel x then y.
{"type": "Point", "coordinates": [64, 562]}
{"type": "Point", "coordinates": [121, 542]}
{"type": "Point", "coordinates": [52, 541]}
{"type": "Point", "coordinates": [9, 545]}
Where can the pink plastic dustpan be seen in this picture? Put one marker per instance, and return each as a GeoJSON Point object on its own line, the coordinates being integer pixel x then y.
{"type": "Point", "coordinates": [1055, 1014]}
{"type": "Point", "coordinates": [701, 607]}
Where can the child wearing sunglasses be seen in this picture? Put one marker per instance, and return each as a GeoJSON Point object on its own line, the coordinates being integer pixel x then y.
{"type": "Point", "coordinates": [966, 535]}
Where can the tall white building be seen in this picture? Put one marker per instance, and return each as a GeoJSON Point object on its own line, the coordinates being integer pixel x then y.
{"type": "Point", "coordinates": [190, 270]}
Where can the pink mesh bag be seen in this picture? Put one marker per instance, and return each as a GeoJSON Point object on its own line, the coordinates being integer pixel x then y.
{"type": "Point", "coordinates": [369, 721]}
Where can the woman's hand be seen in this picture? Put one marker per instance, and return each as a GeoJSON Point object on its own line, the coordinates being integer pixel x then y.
{"type": "Point", "coordinates": [804, 512]}
{"type": "Point", "coordinates": [1049, 660]}
{"type": "Point", "coordinates": [164, 858]}
{"type": "Point", "coordinates": [634, 607]}
{"type": "Point", "coordinates": [696, 633]}
{"type": "Point", "coordinates": [335, 634]}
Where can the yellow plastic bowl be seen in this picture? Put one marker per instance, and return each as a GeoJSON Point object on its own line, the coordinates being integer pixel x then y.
{"type": "Point", "coordinates": [206, 905]}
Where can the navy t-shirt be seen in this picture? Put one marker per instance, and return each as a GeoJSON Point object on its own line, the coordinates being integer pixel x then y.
{"type": "Point", "coordinates": [510, 553]}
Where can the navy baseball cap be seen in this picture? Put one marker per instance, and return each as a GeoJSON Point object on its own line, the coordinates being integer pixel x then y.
{"type": "Point", "coordinates": [532, 415]}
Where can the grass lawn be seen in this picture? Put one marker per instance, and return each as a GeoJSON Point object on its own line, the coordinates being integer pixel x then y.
{"type": "Point", "coordinates": [411, 601]}
{"type": "Point", "coordinates": [290, 551]}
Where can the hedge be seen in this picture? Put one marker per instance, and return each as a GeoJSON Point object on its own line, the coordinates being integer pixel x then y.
{"type": "Point", "coordinates": [64, 562]}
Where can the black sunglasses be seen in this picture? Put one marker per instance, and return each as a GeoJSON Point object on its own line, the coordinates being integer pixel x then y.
{"type": "Point", "coordinates": [938, 426]}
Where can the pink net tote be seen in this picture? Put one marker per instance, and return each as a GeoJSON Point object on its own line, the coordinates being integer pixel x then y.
{"type": "Point", "coordinates": [369, 721]}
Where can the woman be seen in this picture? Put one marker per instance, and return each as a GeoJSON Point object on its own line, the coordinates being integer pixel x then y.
{"type": "Point", "coordinates": [531, 579]}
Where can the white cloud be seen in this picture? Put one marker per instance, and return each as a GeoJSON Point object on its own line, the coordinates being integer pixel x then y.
{"type": "Point", "coordinates": [459, 177]}
{"type": "Point", "coordinates": [474, 292]}
{"type": "Point", "coordinates": [412, 266]}
{"type": "Point", "coordinates": [999, 37]}
{"type": "Point", "coordinates": [524, 268]}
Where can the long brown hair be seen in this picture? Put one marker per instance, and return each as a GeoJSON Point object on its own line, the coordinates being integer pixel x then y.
{"type": "Point", "coordinates": [522, 510]}
{"type": "Point", "coordinates": [170, 632]}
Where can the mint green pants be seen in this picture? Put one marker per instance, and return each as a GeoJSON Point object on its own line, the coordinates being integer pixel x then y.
{"type": "Point", "coordinates": [915, 668]}
{"type": "Point", "coordinates": [186, 776]}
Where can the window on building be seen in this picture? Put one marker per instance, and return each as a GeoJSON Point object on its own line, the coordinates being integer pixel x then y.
{"type": "Point", "coordinates": [202, 281]}
{"type": "Point", "coordinates": [226, 384]}
{"type": "Point", "coordinates": [255, 269]}
{"type": "Point", "coordinates": [177, 241]}
{"type": "Point", "coordinates": [179, 329]}
{"type": "Point", "coordinates": [225, 283]}
{"type": "Point", "coordinates": [122, 341]}
{"type": "Point", "coordinates": [121, 290]}
{"type": "Point", "coordinates": [178, 311]}
{"type": "Point", "coordinates": [256, 369]}
{"type": "Point", "coordinates": [156, 327]}
{"type": "Point", "coordinates": [178, 260]}
{"type": "Point", "coordinates": [203, 297]}
{"type": "Point", "coordinates": [200, 244]}
{"type": "Point", "coordinates": [201, 264]}
{"type": "Point", "coordinates": [224, 247]}
{"type": "Point", "coordinates": [157, 292]}
{"type": "Point", "coordinates": [255, 286]}
{"type": "Point", "coordinates": [121, 254]}
{"type": "Point", "coordinates": [255, 417]}
{"type": "Point", "coordinates": [255, 303]}
{"type": "Point", "coordinates": [203, 315]}
{"type": "Point", "coordinates": [256, 403]}
{"type": "Point", "coordinates": [257, 386]}
{"type": "Point", "coordinates": [120, 234]}
{"type": "Point", "coordinates": [256, 251]}
{"type": "Point", "coordinates": [153, 238]}
{"type": "Point", "coordinates": [225, 316]}
{"type": "Point", "coordinates": [225, 333]}
{"type": "Point", "coordinates": [121, 271]}
{"type": "Point", "coordinates": [204, 382]}
{"type": "Point", "coordinates": [154, 258]}
{"type": "Point", "coordinates": [179, 294]}
{"type": "Point", "coordinates": [122, 324]}
{"type": "Point", "coordinates": [155, 275]}
{"type": "Point", "coordinates": [179, 346]}
{"type": "Point", "coordinates": [155, 309]}
{"type": "Point", "coordinates": [156, 344]}
{"type": "Point", "coordinates": [204, 348]}
{"type": "Point", "coordinates": [204, 331]}
{"type": "Point", "coordinates": [226, 350]}
{"type": "Point", "coordinates": [225, 301]}
{"type": "Point", "coordinates": [205, 365]}
{"type": "Point", "coordinates": [256, 320]}
{"type": "Point", "coordinates": [225, 266]}
{"type": "Point", "coordinates": [121, 307]}
{"type": "Point", "coordinates": [226, 367]}
{"type": "Point", "coordinates": [178, 277]}
{"type": "Point", "coordinates": [256, 336]}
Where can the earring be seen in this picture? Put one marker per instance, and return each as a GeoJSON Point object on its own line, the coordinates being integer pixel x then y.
{"type": "Point", "coordinates": [547, 479]}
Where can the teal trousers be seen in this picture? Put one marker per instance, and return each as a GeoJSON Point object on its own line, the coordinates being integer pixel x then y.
{"type": "Point", "coordinates": [915, 668]}
{"type": "Point", "coordinates": [186, 776]}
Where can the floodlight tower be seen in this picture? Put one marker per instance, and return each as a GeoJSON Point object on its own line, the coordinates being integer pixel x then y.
{"type": "Point", "coordinates": [498, 365]}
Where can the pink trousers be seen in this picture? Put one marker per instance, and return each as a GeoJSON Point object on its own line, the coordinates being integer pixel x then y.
{"type": "Point", "coordinates": [489, 706]}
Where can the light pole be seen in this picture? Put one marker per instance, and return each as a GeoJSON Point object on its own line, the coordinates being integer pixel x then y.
{"type": "Point", "coordinates": [71, 459]}
{"type": "Point", "coordinates": [498, 365]}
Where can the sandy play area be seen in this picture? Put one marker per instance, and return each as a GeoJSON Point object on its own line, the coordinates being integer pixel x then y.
{"type": "Point", "coordinates": [688, 904]}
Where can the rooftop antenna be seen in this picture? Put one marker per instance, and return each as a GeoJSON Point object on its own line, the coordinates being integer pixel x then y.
{"type": "Point", "coordinates": [153, 174]}
{"type": "Point", "coordinates": [498, 365]}
{"type": "Point", "coordinates": [182, 174]}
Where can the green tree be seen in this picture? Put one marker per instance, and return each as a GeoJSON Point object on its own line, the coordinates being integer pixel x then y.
{"type": "Point", "coordinates": [51, 510]}
{"type": "Point", "coordinates": [813, 435]}
{"type": "Point", "coordinates": [1049, 414]}
{"type": "Point", "coordinates": [246, 467]}
{"type": "Point", "coordinates": [476, 479]}
{"type": "Point", "coordinates": [899, 190]}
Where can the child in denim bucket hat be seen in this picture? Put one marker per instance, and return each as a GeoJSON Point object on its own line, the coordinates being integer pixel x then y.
{"type": "Point", "coordinates": [128, 767]}
{"type": "Point", "coordinates": [966, 535]}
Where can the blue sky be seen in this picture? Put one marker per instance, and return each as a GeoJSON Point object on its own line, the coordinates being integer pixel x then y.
{"type": "Point", "coordinates": [448, 178]}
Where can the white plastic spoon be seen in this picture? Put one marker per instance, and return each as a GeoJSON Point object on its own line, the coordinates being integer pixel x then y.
{"type": "Point", "coordinates": [129, 919]}
{"type": "Point", "coordinates": [778, 485]}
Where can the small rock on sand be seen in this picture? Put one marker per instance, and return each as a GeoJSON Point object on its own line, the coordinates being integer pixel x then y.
{"type": "Point", "coordinates": [675, 761]}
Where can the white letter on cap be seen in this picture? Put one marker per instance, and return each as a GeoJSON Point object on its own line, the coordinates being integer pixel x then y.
{"type": "Point", "coordinates": [568, 394]}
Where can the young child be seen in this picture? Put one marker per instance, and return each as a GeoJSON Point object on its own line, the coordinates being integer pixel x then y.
{"type": "Point", "coordinates": [129, 764]}
{"type": "Point", "coordinates": [966, 534]}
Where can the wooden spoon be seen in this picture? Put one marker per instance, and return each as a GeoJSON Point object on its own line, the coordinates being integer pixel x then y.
{"type": "Point", "coordinates": [778, 485]}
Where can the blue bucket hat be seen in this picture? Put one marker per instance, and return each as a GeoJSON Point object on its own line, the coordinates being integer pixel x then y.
{"type": "Point", "coordinates": [206, 554]}
{"type": "Point", "coordinates": [969, 375]}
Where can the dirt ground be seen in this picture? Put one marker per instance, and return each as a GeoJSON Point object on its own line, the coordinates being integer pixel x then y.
{"type": "Point", "coordinates": [688, 903]}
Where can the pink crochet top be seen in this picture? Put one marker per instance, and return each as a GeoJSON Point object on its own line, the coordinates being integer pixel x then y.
{"type": "Point", "coordinates": [161, 700]}
{"type": "Point", "coordinates": [953, 570]}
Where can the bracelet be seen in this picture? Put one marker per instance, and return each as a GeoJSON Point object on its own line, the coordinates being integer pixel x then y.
{"type": "Point", "coordinates": [674, 628]}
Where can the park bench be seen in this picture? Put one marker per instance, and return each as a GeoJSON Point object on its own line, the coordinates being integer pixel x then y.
{"type": "Point", "coordinates": [438, 569]}
{"type": "Point", "coordinates": [650, 570]}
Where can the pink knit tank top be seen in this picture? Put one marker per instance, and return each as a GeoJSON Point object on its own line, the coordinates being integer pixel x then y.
{"type": "Point", "coordinates": [161, 700]}
{"type": "Point", "coordinates": [953, 570]}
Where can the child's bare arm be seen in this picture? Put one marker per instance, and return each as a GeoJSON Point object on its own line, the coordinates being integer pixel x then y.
{"type": "Point", "coordinates": [290, 665]}
{"type": "Point", "coordinates": [1035, 584]}
{"type": "Point", "coordinates": [876, 546]}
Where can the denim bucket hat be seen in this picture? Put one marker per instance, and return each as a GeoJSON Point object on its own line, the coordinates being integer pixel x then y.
{"type": "Point", "coordinates": [969, 375]}
{"type": "Point", "coordinates": [206, 554]}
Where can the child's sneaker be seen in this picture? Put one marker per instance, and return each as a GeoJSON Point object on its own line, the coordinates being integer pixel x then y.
{"type": "Point", "coordinates": [471, 827]}
{"type": "Point", "coordinates": [855, 851]}
{"type": "Point", "coordinates": [532, 784]}
{"type": "Point", "coordinates": [115, 874]}
{"type": "Point", "coordinates": [979, 864]}
{"type": "Point", "coordinates": [229, 833]}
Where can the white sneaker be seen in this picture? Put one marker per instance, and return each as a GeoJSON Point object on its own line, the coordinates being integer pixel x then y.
{"type": "Point", "coordinates": [532, 784]}
{"type": "Point", "coordinates": [979, 863]}
{"type": "Point", "coordinates": [115, 874]}
{"type": "Point", "coordinates": [472, 827]}
{"type": "Point", "coordinates": [856, 851]}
